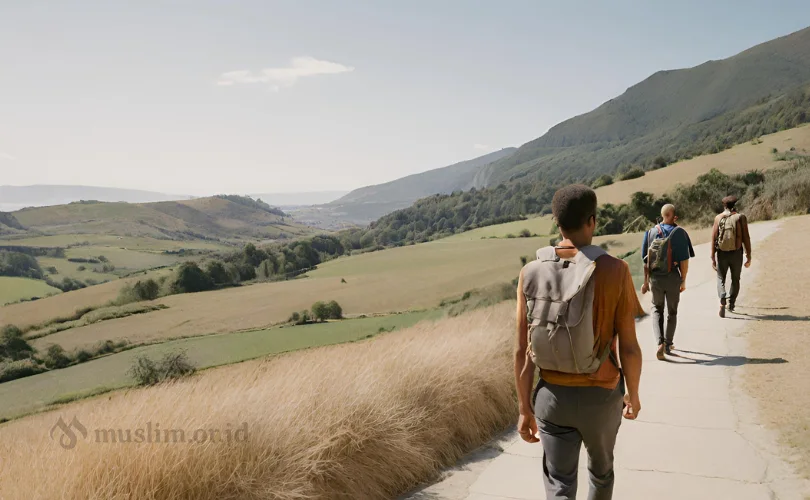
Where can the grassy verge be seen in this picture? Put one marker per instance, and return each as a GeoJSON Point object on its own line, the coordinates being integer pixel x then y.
{"type": "Point", "coordinates": [318, 424]}
{"type": "Point", "coordinates": [84, 318]}
{"type": "Point", "coordinates": [29, 394]}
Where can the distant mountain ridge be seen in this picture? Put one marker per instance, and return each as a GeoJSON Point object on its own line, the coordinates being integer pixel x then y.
{"type": "Point", "coordinates": [211, 218]}
{"type": "Point", "coordinates": [17, 197]}
{"type": "Point", "coordinates": [372, 202]}
{"type": "Point", "coordinates": [671, 113]}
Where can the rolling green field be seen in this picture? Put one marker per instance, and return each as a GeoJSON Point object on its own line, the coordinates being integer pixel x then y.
{"type": "Point", "coordinates": [536, 225]}
{"type": "Point", "coordinates": [13, 289]}
{"type": "Point", "coordinates": [33, 393]}
{"type": "Point", "coordinates": [65, 268]}
{"type": "Point", "coordinates": [108, 240]}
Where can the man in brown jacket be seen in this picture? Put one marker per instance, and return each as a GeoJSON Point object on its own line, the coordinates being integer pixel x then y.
{"type": "Point", "coordinates": [729, 237]}
{"type": "Point", "coordinates": [570, 410]}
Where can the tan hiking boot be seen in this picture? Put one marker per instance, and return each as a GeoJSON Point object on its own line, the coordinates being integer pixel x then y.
{"type": "Point", "coordinates": [660, 353]}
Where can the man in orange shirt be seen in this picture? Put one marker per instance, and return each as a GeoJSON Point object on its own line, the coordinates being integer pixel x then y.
{"type": "Point", "coordinates": [574, 408]}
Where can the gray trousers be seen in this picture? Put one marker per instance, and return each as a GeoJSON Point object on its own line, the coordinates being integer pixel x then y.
{"type": "Point", "coordinates": [666, 290]}
{"type": "Point", "coordinates": [567, 417]}
{"type": "Point", "coordinates": [729, 261]}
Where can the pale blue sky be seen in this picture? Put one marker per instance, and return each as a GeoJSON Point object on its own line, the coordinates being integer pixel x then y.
{"type": "Point", "coordinates": [126, 94]}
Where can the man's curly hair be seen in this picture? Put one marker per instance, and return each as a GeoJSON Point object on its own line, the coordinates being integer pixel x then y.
{"type": "Point", "coordinates": [573, 205]}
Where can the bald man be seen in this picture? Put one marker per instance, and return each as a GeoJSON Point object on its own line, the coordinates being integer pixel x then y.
{"type": "Point", "coordinates": [666, 281]}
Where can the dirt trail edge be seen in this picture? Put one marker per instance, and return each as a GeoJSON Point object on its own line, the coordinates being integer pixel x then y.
{"type": "Point", "coordinates": [698, 436]}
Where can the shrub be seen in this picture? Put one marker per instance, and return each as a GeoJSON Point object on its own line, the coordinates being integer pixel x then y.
{"type": "Point", "coordinates": [191, 279]}
{"type": "Point", "coordinates": [81, 268]}
{"type": "Point", "coordinates": [55, 357]}
{"type": "Point", "coordinates": [320, 311]}
{"type": "Point", "coordinates": [146, 290]}
{"type": "Point", "coordinates": [173, 365]}
{"type": "Point", "coordinates": [604, 180]}
{"type": "Point", "coordinates": [67, 284]}
{"type": "Point", "coordinates": [12, 370]}
{"type": "Point", "coordinates": [145, 371]}
{"type": "Point", "coordinates": [19, 264]}
{"type": "Point", "coordinates": [525, 233]}
{"type": "Point", "coordinates": [774, 150]}
{"type": "Point", "coordinates": [13, 346]}
{"type": "Point", "coordinates": [218, 273]}
{"type": "Point", "coordinates": [659, 162]}
{"type": "Point", "coordinates": [633, 173]}
{"type": "Point", "coordinates": [334, 310]}
{"type": "Point", "coordinates": [82, 356]}
{"type": "Point", "coordinates": [524, 259]}
{"type": "Point", "coordinates": [52, 270]}
{"type": "Point", "coordinates": [103, 259]}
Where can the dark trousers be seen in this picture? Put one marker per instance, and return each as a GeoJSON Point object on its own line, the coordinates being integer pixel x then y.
{"type": "Point", "coordinates": [729, 261]}
{"type": "Point", "coordinates": [567, 417]}
{"type": "Point", "coordinates": [666, 290]}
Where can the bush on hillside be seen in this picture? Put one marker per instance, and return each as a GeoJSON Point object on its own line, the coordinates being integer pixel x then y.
{"type": "Point", "coordinates": [12, 370]}
{"type": "Point", "coordinates": [220, 273]}
{"type": "Point", "coordinates": [525, 233]}
{"type": "Point", "coordinates": [322, 311]}
{"type": "Point", "coordinates": [55, 357]}
{"type": "Point", "coordinates": [191, 279]}
{"type": "Point", "coordinates": [66, 284]}
{"type": "Point", "coordinates": [633, 173]}
{"type": "Point", "coordinates": [19, 264]}
{"type": "Point", "coordinates": [81, 268]}
{"type": "Point", "coordinates": [146, 290]}
{"type": "Point", "coordinates": [604, 180]}
{"type": "Point", "coordinates": [173, 365]}
{"type": "Point", "coordinates": [659, 162]}
{"type": "Point", "coordinates": [300, 318]}
{"type": "Point", "coordinates": [13, 347]}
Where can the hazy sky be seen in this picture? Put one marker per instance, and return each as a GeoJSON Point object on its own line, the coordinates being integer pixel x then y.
{"type": "Point", "coordinates": [201, 97]}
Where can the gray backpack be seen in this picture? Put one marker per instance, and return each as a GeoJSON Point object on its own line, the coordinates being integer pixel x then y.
{"type": "Point", "coordinates": [559, 298]}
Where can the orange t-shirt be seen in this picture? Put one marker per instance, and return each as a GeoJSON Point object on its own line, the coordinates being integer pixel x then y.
{"type": "Point", "coordinates": [615, 308]}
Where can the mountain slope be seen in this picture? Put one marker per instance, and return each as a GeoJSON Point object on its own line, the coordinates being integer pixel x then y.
{"type": "Point", "coordinates": [17, 197]}
{"type": "Point", "coordinates": [665, 114]}
{"type": "Point", "coordinates": [371, 202]}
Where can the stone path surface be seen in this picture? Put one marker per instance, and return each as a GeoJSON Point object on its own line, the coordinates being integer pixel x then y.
{"type": "Point", "coordinates": [697, 436]}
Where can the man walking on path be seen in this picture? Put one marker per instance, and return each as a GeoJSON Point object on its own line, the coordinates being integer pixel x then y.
{"type": "Point", "coordinates": [573, 407]}
{"type": "Point", "coordinates": [729, 236]}
{"type": "Point", "coordinates": [666, 251]}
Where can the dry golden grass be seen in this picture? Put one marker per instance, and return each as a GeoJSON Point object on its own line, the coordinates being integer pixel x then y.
{"type": "Point", "coordinates": [782, 302]}
{"type": "Point", "coordinates": [367, 420]}
{"type": "Point", "coordinates": [739, 159]}
{"type": "Point", "coordinates": [399, 279]}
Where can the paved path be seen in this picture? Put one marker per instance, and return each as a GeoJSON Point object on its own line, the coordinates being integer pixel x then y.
{"type": "Point", "coordinates": [697, 436]}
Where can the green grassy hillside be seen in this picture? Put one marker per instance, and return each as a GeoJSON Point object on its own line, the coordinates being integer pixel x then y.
{"type": "Point", "coordinates": [205, 219]}
{"type": "Point", "coordinates": [676, 114]}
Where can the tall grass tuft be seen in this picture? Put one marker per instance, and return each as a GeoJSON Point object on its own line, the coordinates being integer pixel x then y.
{"type": "Point", "coordinates": [366, 420]}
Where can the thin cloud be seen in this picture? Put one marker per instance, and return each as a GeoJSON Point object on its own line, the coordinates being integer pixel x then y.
{"type": "Point", "coordinates": [482, 147]}
{"type": "Point", "coordinates": [277, 78]}
{"type": "Point", "coordinates": [6, 156]}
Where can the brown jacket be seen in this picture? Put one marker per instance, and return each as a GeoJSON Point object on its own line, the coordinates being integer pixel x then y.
{"type": "Point", "coordinates": [615, 307]}
{"type": "Point", "coordinates": [743, 238]}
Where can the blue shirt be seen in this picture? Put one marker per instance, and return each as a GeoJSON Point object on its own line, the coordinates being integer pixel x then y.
{"type": "Point", "coordinates": [681, 244]}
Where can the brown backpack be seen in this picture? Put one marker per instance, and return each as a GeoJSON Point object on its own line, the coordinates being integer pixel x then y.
{"type": "Point", "coordinates": [727, 232]}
